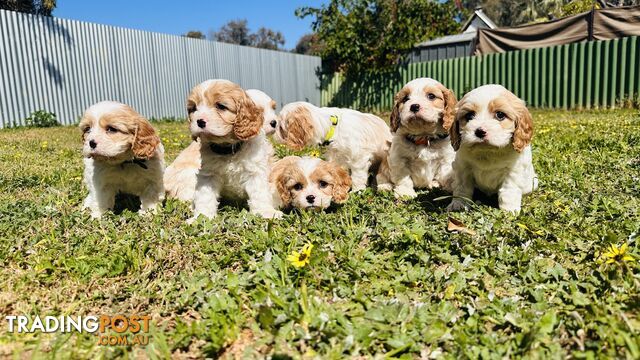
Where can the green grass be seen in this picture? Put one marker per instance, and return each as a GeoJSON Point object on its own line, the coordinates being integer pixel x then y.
{"type": "Point", "coordinates": [385, 278]}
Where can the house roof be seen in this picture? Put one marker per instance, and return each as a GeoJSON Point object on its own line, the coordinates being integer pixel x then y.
{"type": "Point", "coordinates": [465, 36]}
{"type": "Point", "coordinates": [479, 13]}
{"type": "Point", "coordinates": [450, 39]}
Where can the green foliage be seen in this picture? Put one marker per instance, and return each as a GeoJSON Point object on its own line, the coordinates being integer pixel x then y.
{"type": "Point", "coordinates": [385, 277]}
{"type": "Point", "coordinates": [307, 45]}
{"type": "Point", "coordinates": [35, 7]}
{"type": "Point", "coordinates": [194, 35]}
{"type": "Point", "coordinates": [266, 38]}
{"type": "Point", "coordinates": [41, 119]}
{"type": "Point", "coordinates": [359, 35]}
{"type": "Point", "coordinates": [238, 32]}
{"type": "Point", "coordinates": [514, 13]}
{"type": "Point", "coordinates": [578, 6]}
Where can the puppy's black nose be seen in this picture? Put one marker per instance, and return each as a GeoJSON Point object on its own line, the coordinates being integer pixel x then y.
{"type": "Point", "coordinates": [311, 199]}
{"type": "Point", "coordinates": [480, 133]}
{"type": "Point", "coordinates": [273, 123]}
{"type": "Point", "coordinates": [201, 123]}
{"type": "Point", "coordinates": [414, 108]}
{"type": "Point", "coordinates": [92, 144]}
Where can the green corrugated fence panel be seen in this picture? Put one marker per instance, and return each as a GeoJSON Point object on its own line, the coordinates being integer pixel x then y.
{"type": "Point", "coordinates": [581, 75]}
{"type": "Point", "coordinates": [632, 68]}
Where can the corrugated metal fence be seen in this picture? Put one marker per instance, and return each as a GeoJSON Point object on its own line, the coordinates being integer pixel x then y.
{"type": "Point", "coordinates": [63, 66]}
{"type": "Point", "coordinates": [581, 75]}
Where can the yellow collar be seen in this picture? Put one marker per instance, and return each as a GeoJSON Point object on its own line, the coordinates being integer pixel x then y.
{"type": "Point", "coordinates": [332, 130]}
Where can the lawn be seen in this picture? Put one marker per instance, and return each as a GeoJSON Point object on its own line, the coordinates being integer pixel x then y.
{"type": "Point", "coordinates": [385, 277]}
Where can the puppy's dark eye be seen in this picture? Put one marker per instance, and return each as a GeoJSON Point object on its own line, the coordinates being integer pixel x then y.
{"type": "Point", "coordinates": [111, 129]}
{"type": "Point", "coordinates": [470, 116]}
{"type": "Point", "coordinates": [221, 106]}
{"type": "Point", "coordinates": [323, 184]}
{"type": "Point", "coordinates": [500, 115]}
{"type": "Point", "coordinates": [191, 108]}
{"type": "Point", "coordinates": [431, 96]}
{"type": "Point", "coordinates": [86, 129]}
{"type": "Point", "coordinates": [297, 187]}
{"type": "Point", "coordinates": [405, 99]}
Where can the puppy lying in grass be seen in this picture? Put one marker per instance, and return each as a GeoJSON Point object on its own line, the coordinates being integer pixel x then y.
{"type": "Point", "coordinates": [308, 183]}
{"type": "Point", "coordinates": [358, 141]}
{"type": "Point", "coordinates": [123, 154]}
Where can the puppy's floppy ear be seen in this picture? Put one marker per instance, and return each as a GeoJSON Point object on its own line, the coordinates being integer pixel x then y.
{"type": "Point", "coordinates": [342, 183]}
{"type": "Point", "coordinates": [454, 133]}
{"type": "Point", "coordinates": [278, 177]}
{"type": "Point", "coordinates": [84, 123]}
{"type": "Point", "coordinates": [192, 106]}
{"type": "Point", "coordinates": [248, 118]}
{"type": "Point", "coordinates": [145, 140]}
{"type": "Point", "coordinates": [394, 120]}
{"type": "Point", "coordinates": [449, 113]}
{"type": "Point", "coordinates": [524, 127]}
{"type": "Point", "coordinates": [299, 128]}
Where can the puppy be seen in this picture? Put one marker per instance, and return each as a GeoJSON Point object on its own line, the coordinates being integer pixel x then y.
{"type": "Point", "coordinates": [123, 154]}
{"type": "Point", "coordinates": [180, 176]}
{"type": "Point", "coordinates": [355, 140]}
{"type": "Point", "coordinates": [421, 153]}
{"type": "Point", "coordinates": [308, 183]}
{"type": "Point", "coordinates": [235, 154]}
{"type": "Point", "coordinates": [492, 134]}
{"type": "Point", "coordinates": [268, 109]}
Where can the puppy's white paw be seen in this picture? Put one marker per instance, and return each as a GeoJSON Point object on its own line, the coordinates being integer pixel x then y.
{"type": "Point", "coordinates": [359, 187]}
{"type": "Point", "coordinates": [148, 211]}
{"type": "Point", "coordinates": [269, 213]}
{"type": "Point", "coordinates": [514, 209]}
{"type": "Point", "coordinates": [404, 192]}
{"type": "Point", "coordinates": [96, 214]}
{"type": "Point", "coordinates": [385, 187]}
{"type": "Point", "coordinates": [195, 217]}
{"type": "Point", "coordinates": [458, 205]}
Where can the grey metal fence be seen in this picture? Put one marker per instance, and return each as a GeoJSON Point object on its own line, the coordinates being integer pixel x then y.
{"type": "Point", "coordinates": [63, 66]}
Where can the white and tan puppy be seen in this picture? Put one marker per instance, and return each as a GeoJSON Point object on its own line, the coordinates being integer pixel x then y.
{"type": "Point", "coordinates": [235, 154]}
{"type": "Point", "coordinates": [180, 176]}
{"type": "Point", "coordinates": [421, 153]}
{"type": "Point", "coordinates": [308, 183]}
{"type": "Point", "coordinates": [123, 154]}
{"type": "Point", "coordinates": [492, 135]}
{"type": "Point", "coordinates": [355, 140]}
{"type": "Point", "coordinates": [268, 106]}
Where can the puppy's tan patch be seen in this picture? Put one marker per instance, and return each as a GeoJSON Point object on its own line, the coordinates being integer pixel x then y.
{"type": "Point", "coordinates": [285, 175]}
{"type": "Point", "coordinates": [394, 120]}
{"type": "Point", "coordinates": [337, 178]}
{"type": "Point", "coordinates": [232, 105]}
{"type": "Point", "coordinates": [518, 116]}
{"type": "Point", "coordinates": [130, 126]}
{"type": "Point", "coordinates": [299, 127]}
{"type": "Point", "coordinates": [464, 108]}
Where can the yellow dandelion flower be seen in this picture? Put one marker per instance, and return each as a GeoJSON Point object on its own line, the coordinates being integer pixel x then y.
{"type": "Point", "coordinates": [617, 254]}
{"type": "Point", "coordinates": [301, 259]}
{"type": "Point", "coordinates": [314, 153]}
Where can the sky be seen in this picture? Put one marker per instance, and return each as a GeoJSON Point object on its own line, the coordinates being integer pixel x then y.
{"type": "Point", "coordinates": [178, 17]}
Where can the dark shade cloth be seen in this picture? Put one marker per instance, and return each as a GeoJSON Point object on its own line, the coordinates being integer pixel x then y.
{"type": "Point", "coordinates": [616, 23]}
{"type": "Point", "coordinates": [606, 24]}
